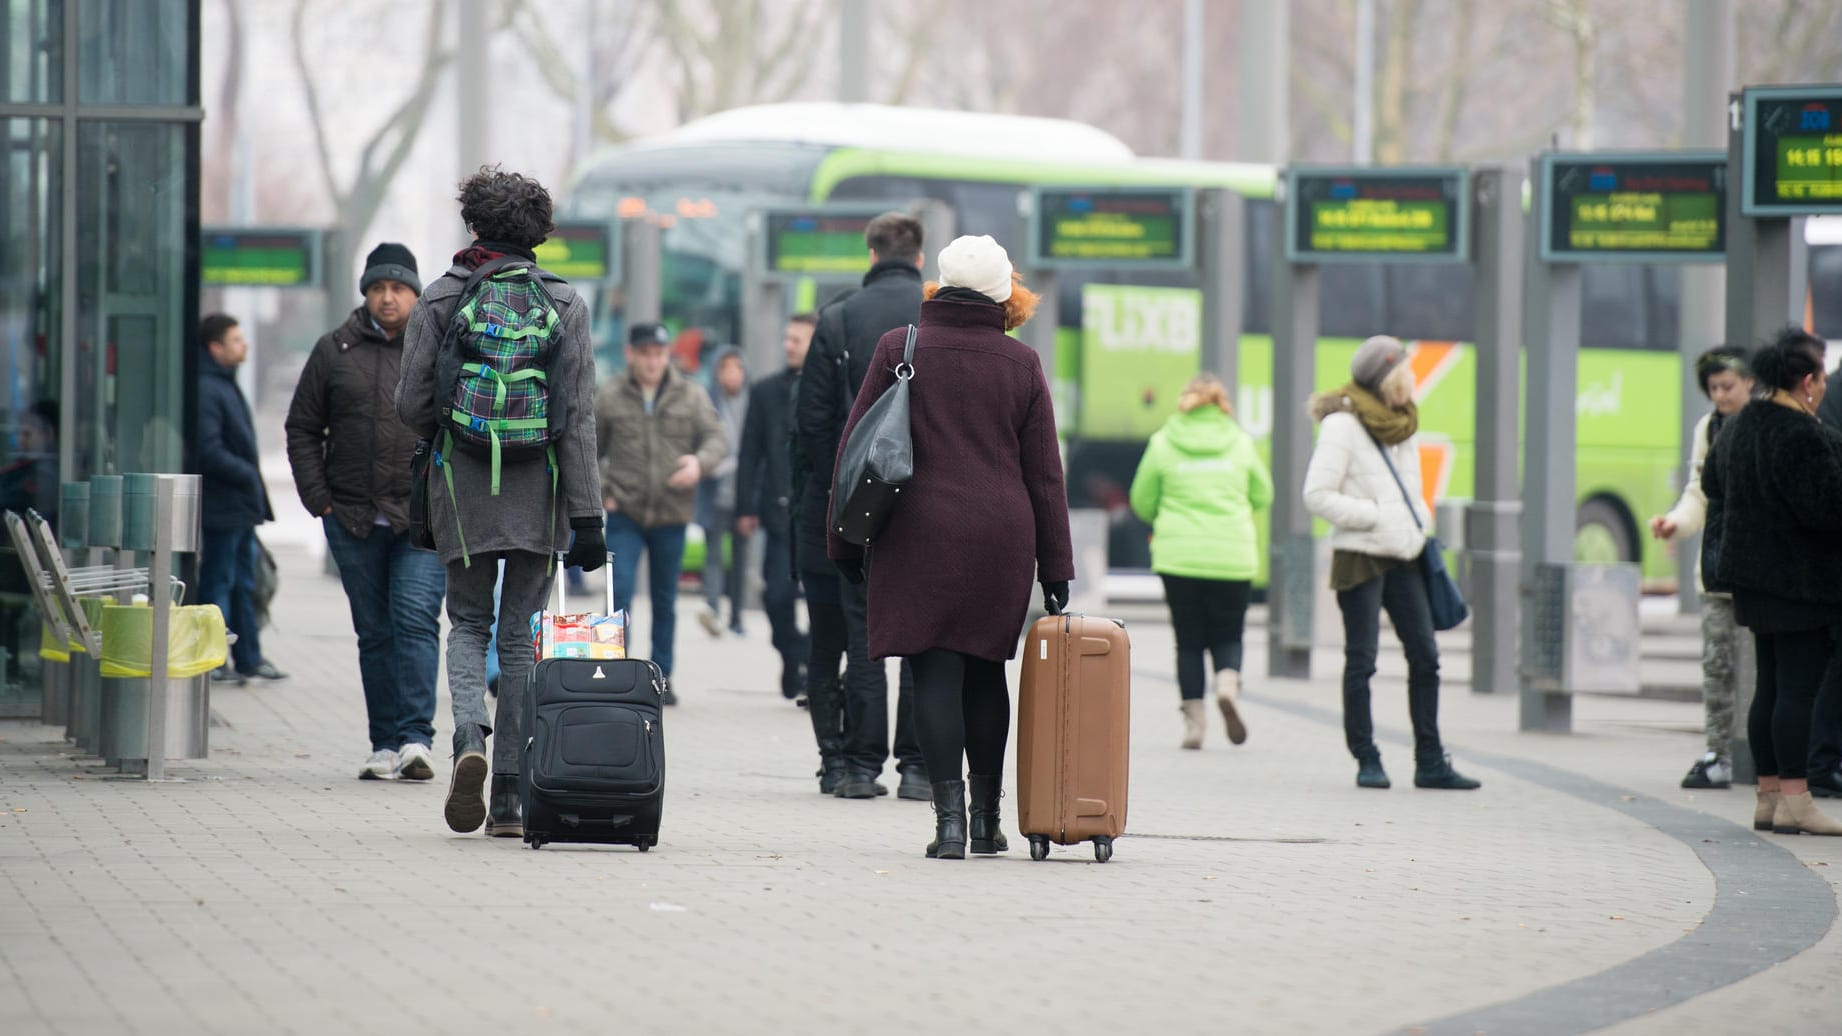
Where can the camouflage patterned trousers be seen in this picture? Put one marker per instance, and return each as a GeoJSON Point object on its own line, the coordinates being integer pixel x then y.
{"type": "Point", "coordinates": [1719, 649]}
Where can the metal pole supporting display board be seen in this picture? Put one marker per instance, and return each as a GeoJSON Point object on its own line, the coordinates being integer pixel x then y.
{"type": "Point", "coordinates": [640, 273]}
{"type": "Point", "coordinates": [1493, 535]}
{"type": "Point", "coordinates": [1222, 222]}
{"type": "Point", "coordinates": [1293, 567]}
{"type": "Point", "coordinates": [1553, 316]}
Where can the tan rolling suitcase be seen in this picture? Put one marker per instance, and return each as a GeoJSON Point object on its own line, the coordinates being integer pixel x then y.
{"type": "Point", "coordinates": [1073, 731]}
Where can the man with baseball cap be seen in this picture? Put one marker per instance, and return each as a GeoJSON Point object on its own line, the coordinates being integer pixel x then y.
{"type": "Point", "coordinates": [658, 434]}
{"type": "Point", "coordinates": [350, 456]}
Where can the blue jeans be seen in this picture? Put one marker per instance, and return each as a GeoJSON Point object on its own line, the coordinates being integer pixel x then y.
{"type": "Point", "coordinates": [664, 547]}
{"type": "Point", "coordinates": [227, 578]}
{"type": "Point", "coordinates": [395, 594]}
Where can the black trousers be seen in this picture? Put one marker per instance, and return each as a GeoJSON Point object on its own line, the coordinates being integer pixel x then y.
{"type": "Point", "coordinates": [1826, 720]}
{"type": "Point", "coordinates": [1792, 666]}
{"type": "Point", "coordinates": [866, 694]}
{"type": "Point", "coordinates": [1208, 615]}
{"type": "Point", "coordinates": [962, 711]}
{"type": "Point", "coordinates": [1403, 593]}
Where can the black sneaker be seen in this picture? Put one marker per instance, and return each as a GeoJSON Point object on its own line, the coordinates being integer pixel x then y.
{"type": "Point", "coordinates": [465, 808]}
{"type": "Point", "coordinates": [1439, 774]}
{"type": "Point", "coordinates": [666, 697]}
{"type": "Point", "coordinates": [1711, 771]}
{"type": "Point", "coordinates": [1369, 772]}
{"type": "Point", "coordinates": [225, 674]}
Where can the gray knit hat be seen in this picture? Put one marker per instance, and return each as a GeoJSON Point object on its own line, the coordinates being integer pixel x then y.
{"type": "Point", "coordinates": [390, 262]}
{"type": "Point", "coordinates": [1375, 359]}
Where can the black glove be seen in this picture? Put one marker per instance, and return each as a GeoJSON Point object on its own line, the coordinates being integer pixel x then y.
{"type": "Point", "coordinates": [588, 549]}
{"type": "Point", "coordinates": [851, 570]}
{"type": "Point", "coordinates": [1055, 596]}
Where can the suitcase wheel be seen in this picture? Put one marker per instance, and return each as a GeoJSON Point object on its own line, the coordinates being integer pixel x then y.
{"type": "Point", "coordinates": [644, 845]}
{"type": "Point", "coordinates": [1039, 847]}
{"type": "Point", "coordinates": [1103, 849]}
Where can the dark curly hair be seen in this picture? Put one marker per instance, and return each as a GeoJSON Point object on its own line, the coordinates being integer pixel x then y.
{"type": "Point", "coordinates": [508, 208]}
{"type": "Point", "coordinates": [1789, 356]}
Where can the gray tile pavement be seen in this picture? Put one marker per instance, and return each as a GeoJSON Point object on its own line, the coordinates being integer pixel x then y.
{"type": "Point", "coordinates": [1257, 890]}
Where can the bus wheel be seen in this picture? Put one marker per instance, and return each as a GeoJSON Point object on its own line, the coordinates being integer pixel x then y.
{"type": "Point", "coordinates": [1602, 533]}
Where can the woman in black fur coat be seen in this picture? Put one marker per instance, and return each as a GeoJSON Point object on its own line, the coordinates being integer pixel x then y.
{"type": "Point", "coordinates": [1774, 479]}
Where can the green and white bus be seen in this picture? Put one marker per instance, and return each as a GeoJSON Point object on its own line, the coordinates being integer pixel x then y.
{"type": "Point", "coordinates": [1127, 340]}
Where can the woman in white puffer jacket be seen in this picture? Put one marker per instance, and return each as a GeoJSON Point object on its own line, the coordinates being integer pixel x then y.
{"type": "Point", "coordinates": [1367, 428]}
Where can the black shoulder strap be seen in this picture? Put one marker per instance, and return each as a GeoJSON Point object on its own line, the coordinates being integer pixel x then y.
{"type": "Point", "coordinates": [908, 348]}
{"type": "Point", "coordinates": [1406, 497]}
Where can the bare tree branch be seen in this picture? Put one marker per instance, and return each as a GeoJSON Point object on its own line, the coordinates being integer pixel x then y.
{"type": "Point", "coordinates": [297, 36]}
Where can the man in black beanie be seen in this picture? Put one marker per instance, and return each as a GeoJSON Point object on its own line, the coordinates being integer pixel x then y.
{"type": "Point", "coordinates": [351, 456]}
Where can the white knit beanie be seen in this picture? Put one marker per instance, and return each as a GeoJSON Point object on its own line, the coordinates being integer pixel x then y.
{"type": "Point", "coordinates": [978, 263]}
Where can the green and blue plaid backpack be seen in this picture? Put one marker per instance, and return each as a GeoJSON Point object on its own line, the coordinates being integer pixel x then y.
{"type": "Point", "coordinates": [495, 357]}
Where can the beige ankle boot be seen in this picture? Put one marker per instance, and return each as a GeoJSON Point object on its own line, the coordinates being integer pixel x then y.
{"type": "Point", "coordinates": [1763, 810]}
{"type": "Point", "coordinates": [1798, 813]}
{"type": "Point", "coordinates": [1227, 695]}
{"type": "Point", "coordinates": [1192, 723]}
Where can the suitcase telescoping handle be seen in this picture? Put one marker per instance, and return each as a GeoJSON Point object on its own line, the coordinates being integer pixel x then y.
{"type": "Point", "coordinates": [607, 569]}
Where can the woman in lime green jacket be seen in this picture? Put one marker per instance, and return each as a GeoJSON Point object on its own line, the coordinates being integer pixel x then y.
{"type": "Point", "coordinates": [1198, 486]}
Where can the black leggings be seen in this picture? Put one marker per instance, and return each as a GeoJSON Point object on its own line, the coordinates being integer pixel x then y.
{"type": "Point", "coordinates": [1791, 668]}
{"type": "Point", "coordinates": [962, 710]}
{"type": "Point", "coordinates": [1208, 615]}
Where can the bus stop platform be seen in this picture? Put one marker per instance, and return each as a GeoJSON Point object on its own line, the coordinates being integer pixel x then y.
{"type": "Point", "coordinates": [1257, 889]}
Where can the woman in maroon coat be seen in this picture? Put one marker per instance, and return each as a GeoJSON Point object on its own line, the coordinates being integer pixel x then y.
{"type": "Point", "coordinates": [984, 517]}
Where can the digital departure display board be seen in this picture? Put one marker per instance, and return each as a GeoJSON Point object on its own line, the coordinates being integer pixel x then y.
{"type": "Point", "coordinates": [265, 257]}
{"type": "Point", "coordinates": [1365, 213]}
{"type": "Point", "coordinates": [817, 242]}
{"type": "Point", "coordinates": [581, 252]}
{"type": "Point", "coordinates": [1633, 207]}
{"type": "Point", "coordinates": [1119, 227]}
{"type": "Point", "coordinates": [1792, 155]}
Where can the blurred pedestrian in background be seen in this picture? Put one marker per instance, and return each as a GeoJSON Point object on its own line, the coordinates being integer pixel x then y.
{"type": "Point", "coordinates": [1198, 487]}
{"type": "Point", "coordinates": [231, 479]}
{"type": "Point", "coordinates": [983, 518]}
{"type": "Point", "coordinates": [1363, 473]}
{"type": "Point", "coordinates": [1774, 485]}
{"type": "Point", "coordinates": [1727, 382]}
{"type": "Point", "coordinates": [657, 434]}
{"type": "Point", "coordinates": [350, 456]}
{"type": "Point", "coordinates": [764, 497]}
{"type": "Point", "coordinates": [717, 498]}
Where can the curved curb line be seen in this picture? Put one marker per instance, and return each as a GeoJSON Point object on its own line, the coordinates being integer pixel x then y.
{"type": "Point", "coordinates": [1768, 908]}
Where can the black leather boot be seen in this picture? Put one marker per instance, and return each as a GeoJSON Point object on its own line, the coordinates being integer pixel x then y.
{"type": "Point", "coordinates": [949, 821]}
{"type": "Point", "coordinates": [831, 764]}
{"type": "Point", "coordinates": [985, 829]}
{"type": "Point", "coordinates": [1369, 772]}
{"type": "Point", "coordinates": [504, 811]}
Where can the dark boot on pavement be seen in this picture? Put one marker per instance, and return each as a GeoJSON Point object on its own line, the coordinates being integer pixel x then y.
{"type": "Point", "coordinates": [860, 785]}
{"type": "Point", "coordinates": [915, 785]}
{"type": "Point", "coordinates": [831, 765]}
{"type": "Point", "coordinates": [465, 809]}
{"type": "Point", "coordinates": [1435, 771]}
{"type": "Point", "coordinates": [949, 821]}
{"type": "Point", "coordinates": [1826, 785]}
{"type": "Point", "coordinates": [1369, 772]}
{"type": "Point", "coordinates": [504, 810]}
{"type": "Point", "coordinates": [984, 829]}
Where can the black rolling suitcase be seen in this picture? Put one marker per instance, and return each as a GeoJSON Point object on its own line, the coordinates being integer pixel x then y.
{"type": "Point", "coordinates": [594, 754]}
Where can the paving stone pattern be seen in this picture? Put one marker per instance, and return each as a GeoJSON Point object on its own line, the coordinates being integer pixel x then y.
{"type": "Point", "coordinates": [1258, 889]}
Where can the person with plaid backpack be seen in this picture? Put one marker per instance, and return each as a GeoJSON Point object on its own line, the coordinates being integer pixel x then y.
{"type": "Point", "coordinates": [499, 378]}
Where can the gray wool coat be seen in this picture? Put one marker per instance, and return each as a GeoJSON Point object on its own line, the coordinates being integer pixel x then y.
{"type": "Point", "coordinates": [515, 519]}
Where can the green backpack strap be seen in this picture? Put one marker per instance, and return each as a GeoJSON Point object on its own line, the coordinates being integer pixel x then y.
{"type": "Point", "coordinates": [496, 424]}
{"type": "Point", "coordinates": [447, 475]}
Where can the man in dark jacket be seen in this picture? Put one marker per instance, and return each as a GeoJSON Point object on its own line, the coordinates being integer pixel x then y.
{"type": "Point", "coordinates": [1825, 765]}
{"type": "Point", "coordinates": [351, 457]}
{"type": "Point", "coordinates": [237, 500]}
{"type": "Point", "coordinates": [764, 490]}
{"type": "Point", "coordinates": [852, 723]}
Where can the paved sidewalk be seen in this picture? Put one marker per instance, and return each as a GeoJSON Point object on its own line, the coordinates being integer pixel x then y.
{"type": "Point", "coordinates": [1258, 890]}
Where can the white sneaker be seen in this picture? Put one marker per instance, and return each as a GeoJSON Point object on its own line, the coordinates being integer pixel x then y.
{"type": "Point", "coordinates": [712, 623]}
{"type": "Point", "coordinates": [382, 766]}
{"type": "Point", "coordinates": [414, 762]}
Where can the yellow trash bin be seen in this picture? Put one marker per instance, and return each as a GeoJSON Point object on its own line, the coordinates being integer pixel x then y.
{"type": "Point", "coordinates": [195, 646]}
